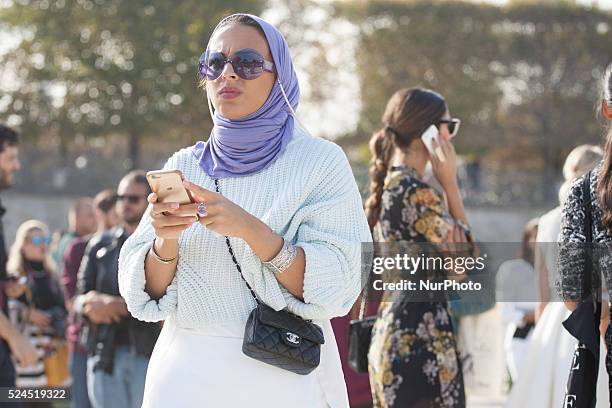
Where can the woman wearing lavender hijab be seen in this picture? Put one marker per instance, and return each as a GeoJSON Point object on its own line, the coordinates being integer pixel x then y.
{"type": "Point", "coordinates": [282, 195]}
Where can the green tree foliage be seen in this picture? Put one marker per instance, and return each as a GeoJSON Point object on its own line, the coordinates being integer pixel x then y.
{"type": "Point", "coordinates": [104, 67]}
{"type": "Point", "coordinates": [524, 78]}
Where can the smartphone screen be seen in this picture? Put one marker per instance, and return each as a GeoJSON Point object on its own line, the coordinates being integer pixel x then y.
{"type": "Point", "coordinates": [168, 185]}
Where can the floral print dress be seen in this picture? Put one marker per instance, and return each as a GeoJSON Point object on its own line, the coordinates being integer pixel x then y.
{"type": "Point", "coordinates": [413, 358]}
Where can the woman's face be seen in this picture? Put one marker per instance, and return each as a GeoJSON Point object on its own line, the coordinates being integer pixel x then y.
{"type": "Point", "coordinates": [231, 95]}
{"type": "Point", "coordinates": [36, 246]}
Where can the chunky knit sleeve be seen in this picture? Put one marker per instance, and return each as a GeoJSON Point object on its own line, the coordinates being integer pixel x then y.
{"type": "Point", "coordinates": [331, 227]}
{"type": "Point", "coordinates": [573, 256]}
{"type": "Point", "coordinates": [132, 274]}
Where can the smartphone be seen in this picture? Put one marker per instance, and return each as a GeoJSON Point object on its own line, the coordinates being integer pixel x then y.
{"type": "Point", "coordinates": [168, 185]}
{"type": "Point", "coordinates": [431, 134]}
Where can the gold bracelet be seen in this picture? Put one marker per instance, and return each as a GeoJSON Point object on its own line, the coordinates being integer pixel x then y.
{"type": "Point", "coordinates": [165, 261]}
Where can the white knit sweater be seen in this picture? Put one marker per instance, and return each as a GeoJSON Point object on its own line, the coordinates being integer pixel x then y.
{"type": "Point", "coordinates": [308, 195]}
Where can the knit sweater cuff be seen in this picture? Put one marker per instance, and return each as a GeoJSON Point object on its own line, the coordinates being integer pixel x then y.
{"type": "Point", "coordinates": [262, 280]}
{"type": "Point", "coordinates": [329, 283]}
{"type": "Point", "coordinates": [139, 303]}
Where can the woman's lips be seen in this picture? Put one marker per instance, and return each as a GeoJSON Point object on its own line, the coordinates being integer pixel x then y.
{"type": "Point", "coordinates": [229, 93]}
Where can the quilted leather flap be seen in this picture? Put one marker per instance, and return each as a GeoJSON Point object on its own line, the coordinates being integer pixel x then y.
{"type": "Point", "coordinates": [290, 322]}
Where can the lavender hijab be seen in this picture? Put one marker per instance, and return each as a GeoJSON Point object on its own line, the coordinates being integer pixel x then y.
{"type": "Point", "coordinates": [247, 145]}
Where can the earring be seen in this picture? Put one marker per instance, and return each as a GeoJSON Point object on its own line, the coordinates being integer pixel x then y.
{"type": "Point", "coordinates": [285, 96]}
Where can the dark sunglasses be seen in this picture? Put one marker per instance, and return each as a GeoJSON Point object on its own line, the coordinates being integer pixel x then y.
{"type": "Point", "coordinates": [38, 240]}
{"type": "Point", "coordinates": [453, 125]}
{"type": "Point", "coordinates": [132, 199]}
{"type": "Point", "coordinates": [247, 63]}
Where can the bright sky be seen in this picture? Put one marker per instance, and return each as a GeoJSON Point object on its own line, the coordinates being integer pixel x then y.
{"type": "Point", "coordinates": [607, 4]}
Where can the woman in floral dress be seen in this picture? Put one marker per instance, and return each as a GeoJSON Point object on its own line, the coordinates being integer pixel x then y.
{"type": "Point", "coordinates": [413, 359]}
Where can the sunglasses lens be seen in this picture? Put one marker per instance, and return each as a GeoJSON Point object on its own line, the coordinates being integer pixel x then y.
{"type": "Point", "coordinates": [248, 64]}
{"type": "Point", "coordinates": [132, 199]}
{"type": "Point", "coordinates": [214, 66]}
{"type": "Point", "coordinates": [216, 61]}
{"type": "Point", "coordinates": [38, 241]}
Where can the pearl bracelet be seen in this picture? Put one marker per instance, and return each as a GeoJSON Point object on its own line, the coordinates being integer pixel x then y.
{"type": "Point", "coordinates": [283, 259]}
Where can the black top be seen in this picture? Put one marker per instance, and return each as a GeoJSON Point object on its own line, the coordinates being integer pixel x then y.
{"type": "Point", "coordinates": [46, 291]}
{"type": "Point", "coordinates": [99, 272]}
{"type": "Point", "coordinates": [573, 242]}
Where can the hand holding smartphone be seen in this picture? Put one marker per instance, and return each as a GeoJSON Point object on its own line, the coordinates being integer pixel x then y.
{"type": "Point", "coordinates": [172, 208]}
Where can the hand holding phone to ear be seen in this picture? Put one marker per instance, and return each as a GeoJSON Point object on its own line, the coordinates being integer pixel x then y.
{"type": "Point", "coordinates": [444, 166]}
{"type": "Point", "coordinates": [428, 137]}
{"type": "Point", "coordinates": [445, 171]}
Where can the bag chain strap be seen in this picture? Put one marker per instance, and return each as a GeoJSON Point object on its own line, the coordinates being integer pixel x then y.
{"type": "Point", "coordinates": [364, 299]}
{"type": "Point", "coordinates": [231, 251]}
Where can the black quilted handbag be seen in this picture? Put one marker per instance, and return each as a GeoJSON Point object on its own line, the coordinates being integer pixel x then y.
{"type": "Point", "coordinates": [279, 338]}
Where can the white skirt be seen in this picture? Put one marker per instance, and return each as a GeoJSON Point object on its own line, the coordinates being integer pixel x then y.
{"type": "Point", "coordinates": [542, 379]}
{"type": "Point", "coordinates": [207, 368]}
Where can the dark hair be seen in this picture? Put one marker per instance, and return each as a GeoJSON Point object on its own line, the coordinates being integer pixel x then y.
{"type": "Point", "coordinates": [240, 19]}
{"type": "Point", "coordinates": [138, 177]}
{"type": "Point", "coordinates": [8, 137]}
{"type": "Point", "coordinates": [105, 200]}
{"type": "Point", "coordinates": [234, 19]}
{"type": "Point", "coordinates": [604, 185]}
{"type": "Point", "coordinates": [408, 114]}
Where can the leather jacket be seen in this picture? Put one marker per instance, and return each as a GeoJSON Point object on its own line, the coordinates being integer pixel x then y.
{"type": "Point", "coordinates": [98, 271]}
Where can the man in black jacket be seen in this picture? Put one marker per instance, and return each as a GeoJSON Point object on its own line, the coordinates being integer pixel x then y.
{"type": "Point", "coordinates": [11, 340]}
{"type": "Point", "coordinates": [119, 346]}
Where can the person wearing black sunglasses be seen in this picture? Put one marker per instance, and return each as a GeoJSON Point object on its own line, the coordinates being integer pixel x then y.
{"type": "Point", "coordinates": [118, 345]}
{"type": "Point", "coordinates": [423, 368]}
